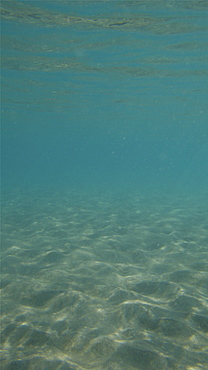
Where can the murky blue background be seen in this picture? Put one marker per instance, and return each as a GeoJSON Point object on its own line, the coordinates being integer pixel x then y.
{"type": "Point", "coordinates": [102, 94]}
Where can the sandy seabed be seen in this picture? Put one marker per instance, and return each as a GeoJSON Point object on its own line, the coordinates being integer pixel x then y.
{"type": "Point", "coordinates": [104, 282]}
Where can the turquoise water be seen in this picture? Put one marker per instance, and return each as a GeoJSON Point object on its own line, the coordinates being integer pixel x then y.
{"type": "Point", "coordinates": [105, 94]}
{"type": "Point", "coordinates": [104, 178]}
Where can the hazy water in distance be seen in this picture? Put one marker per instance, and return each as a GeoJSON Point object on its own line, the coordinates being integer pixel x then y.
{"type": "Point", "coordinates": [105, 94]}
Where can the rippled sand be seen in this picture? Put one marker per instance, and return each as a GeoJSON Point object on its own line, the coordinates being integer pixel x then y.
{"type": "Point", "coordinates": [107, 281]}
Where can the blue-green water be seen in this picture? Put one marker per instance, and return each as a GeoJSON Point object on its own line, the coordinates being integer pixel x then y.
{"type": "Point", "coordinates": [104, 178]}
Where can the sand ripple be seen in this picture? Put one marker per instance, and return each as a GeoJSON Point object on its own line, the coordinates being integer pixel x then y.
{"type": "Point", "coordinates": [104, 282]}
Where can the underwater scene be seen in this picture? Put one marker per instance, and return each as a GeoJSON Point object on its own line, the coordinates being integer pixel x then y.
{"type": "Point", "coordinates": [104, 185]}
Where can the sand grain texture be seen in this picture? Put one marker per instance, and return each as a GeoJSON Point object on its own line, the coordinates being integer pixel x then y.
{"type": "Point", "coordinates": [104, 282]}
